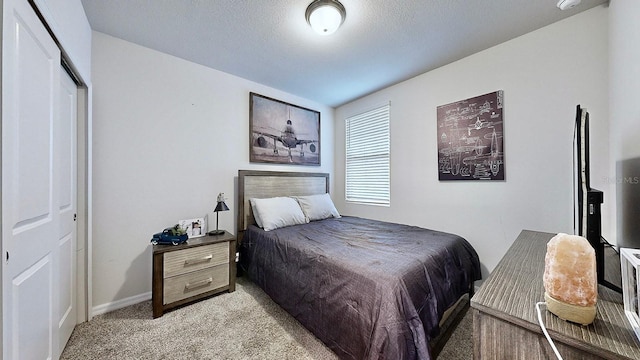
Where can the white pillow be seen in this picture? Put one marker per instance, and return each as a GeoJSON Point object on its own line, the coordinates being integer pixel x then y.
{"type": "Point", "coordinates": [278, 212]}
{"type": "Point", "coordinates": [317, 207]}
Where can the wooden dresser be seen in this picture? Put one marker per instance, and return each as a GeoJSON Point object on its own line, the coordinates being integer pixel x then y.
{"type": "Point", "coordinates": [505, 322]}
{"type": "Point", "coordinates": [184, 273]}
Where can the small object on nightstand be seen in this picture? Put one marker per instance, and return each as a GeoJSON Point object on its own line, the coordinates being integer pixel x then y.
{"type": "Point", "coordinates": [221, 206]}
{"type": "Point", "coordinates": [173, 235]}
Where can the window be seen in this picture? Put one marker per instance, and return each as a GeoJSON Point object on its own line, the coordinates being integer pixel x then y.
{"type": "Point", "coordinates": [368, 154]}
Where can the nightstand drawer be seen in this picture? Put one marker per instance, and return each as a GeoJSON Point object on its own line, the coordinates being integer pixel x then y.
{"type": "Point", "coordinates": [196, 258]}
{"type": "Point", "coordinates": [183, 286]}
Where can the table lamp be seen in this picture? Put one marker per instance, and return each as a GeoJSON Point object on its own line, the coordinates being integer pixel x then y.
{"type": "Point", "coordinates": [221, 206]}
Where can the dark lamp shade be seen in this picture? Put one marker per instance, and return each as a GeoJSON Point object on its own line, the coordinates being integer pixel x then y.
{"type": "Point", "coordinates": [221, 207]}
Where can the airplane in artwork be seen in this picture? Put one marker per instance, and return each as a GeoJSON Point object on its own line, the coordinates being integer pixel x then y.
{"type": "Point", "coordinates": [288, 139]}
{"type": "Point", "coordinates": [496, 159]}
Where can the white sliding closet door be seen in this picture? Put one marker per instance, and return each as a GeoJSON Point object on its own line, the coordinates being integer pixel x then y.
{"type": "Point", "coordinates": [34, 201]}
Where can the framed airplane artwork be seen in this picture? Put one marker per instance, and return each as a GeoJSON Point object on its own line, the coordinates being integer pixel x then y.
{"type": "Point", "coordinates": [282, 133]}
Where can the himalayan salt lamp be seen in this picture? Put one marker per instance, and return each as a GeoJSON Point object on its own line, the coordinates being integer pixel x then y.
{"type": "Point", "coordinates": [570, 281]}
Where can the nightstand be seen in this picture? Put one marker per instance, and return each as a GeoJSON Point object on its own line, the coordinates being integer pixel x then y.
{"type": "Point", "coordinates": [199, 268]}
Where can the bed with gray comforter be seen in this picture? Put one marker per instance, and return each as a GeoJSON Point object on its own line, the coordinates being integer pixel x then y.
{"type": "Point", "coordinates": [368, 289]}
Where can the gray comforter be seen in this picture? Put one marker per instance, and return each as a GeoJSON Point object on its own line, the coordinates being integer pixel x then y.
{"type": "Point", "coordinates": [367, 289]}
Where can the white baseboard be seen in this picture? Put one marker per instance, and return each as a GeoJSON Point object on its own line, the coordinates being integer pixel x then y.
{"type": "Point", "coordinates": [105, 308]}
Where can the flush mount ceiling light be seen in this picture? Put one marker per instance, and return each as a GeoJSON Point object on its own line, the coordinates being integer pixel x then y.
{"type": "Point", "coordinates": [567, 4]}
{"type": "Point", "coordinates": [325, 16]}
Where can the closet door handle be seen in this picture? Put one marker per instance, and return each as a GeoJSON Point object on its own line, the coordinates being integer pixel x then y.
{"type": "Point", "coordinates": [198, 261]}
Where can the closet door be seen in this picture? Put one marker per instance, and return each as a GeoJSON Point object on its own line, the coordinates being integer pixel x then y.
{"type": "Point", "coordinates": [67, 238]}
{"type": "Point", "coordinates": [30, 187]}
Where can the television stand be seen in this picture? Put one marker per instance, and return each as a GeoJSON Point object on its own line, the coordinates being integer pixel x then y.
{"type": "Point", "coordinates": [505, 323]}
{"type": "Point", "coordinates": [601, 268]}
{"type": "Point", "coordinates": [594, 235]}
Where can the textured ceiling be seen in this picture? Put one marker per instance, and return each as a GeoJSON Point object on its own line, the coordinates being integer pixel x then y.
{"type": "Point", "coordinates": [381, 42]}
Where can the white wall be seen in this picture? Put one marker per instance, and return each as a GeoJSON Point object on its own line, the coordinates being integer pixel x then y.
{"type": "Point", "coordinates": [544, 75]}
{"type": "Point", "coordinates": [625, 118]}
{"type": "Point", "coordinates": [168, 136]}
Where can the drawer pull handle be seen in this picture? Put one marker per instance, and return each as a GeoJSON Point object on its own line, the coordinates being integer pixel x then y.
{"type": "Point", "coordinates": [198, 284]}
{"type": "Point", "coordinates": [198, 261]}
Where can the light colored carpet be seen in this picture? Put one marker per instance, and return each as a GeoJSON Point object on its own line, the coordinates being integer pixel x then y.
{"type": "Point", "coordinates": [460, 344]}
{"type": "Point", "coordinates": [245, 324]}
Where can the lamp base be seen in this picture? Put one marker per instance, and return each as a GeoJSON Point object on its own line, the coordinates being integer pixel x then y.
{"type": "Point", "coordinates": [215, 232]}
{"type": "Point", "coordinates": [583, 315]}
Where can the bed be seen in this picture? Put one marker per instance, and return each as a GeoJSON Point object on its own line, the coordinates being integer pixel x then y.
{"type": "Point", "coordinates": [367, 289]}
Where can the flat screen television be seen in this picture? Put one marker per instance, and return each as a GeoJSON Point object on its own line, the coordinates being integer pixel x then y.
{"type": "Point", "coordinates": [587, 201]}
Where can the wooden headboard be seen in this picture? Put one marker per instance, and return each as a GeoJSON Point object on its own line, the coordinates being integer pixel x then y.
{"type": "Point", "coordinates": [266, 184]}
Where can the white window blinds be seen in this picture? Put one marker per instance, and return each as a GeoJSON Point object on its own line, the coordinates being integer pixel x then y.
{"type": "Point", "coordinates": [368, 154]}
